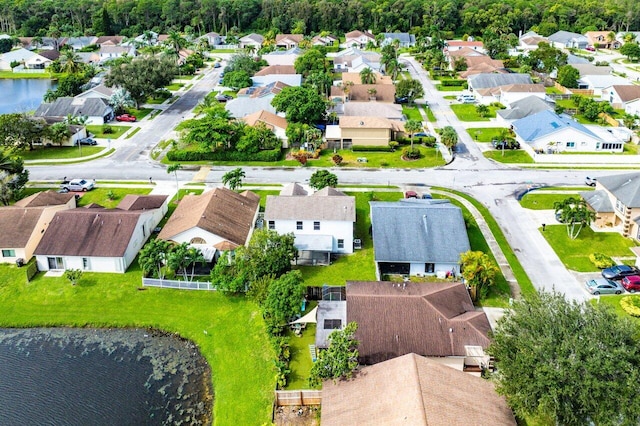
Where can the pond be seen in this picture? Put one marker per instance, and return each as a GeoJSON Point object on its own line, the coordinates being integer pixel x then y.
{"type": "Point", "coordinates": [22, 95]}
{"type": "Point", "coordinates": [63, 376]}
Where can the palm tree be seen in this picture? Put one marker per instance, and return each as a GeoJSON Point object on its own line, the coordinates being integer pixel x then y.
{"type": "Point", "coordinates": [176, 42]}
{"type": "Point", "coordinates": [412, 127]}
{"type": "Point", "coordinates": [233, 178]}
{"type": "Point", "coordinates": [58, 133]}
{"type": "Point", "coordinates": [71, 62]}
{"type": "Point", "coordinates": [174, 169]}
{"type": "Point", "coordinates": [205, 104]}
{"type": "Point", "coordinates": [346, 88]}
{"type": "Point", "coordinates": [367, 76]}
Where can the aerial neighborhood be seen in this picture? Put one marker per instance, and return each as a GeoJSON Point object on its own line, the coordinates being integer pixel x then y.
{"type": "Point", "coordinates": [422, 217]}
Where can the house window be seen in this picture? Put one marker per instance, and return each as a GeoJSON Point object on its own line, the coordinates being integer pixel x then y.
{"type": "Point", "coordinates": [571, 144]}
{"type": "Point", "coordinates": [272, 224]}
{"type": "Point", "coordinates": [332, 324]}
{"type": "Point", "coordinates": [8, 253]}
{"type": "Point", "coordinates": [612, 146]}
{"type": "Point", "coordinates": [299, 225]}
{"type": "Point", "coordinates": [340, 244]}
{"type": "Point", "coordinates": [619, 206]}
{"type": "Point", "coordinates": [85, 263]}
{"type": "Point", "coordinates": [316, 226]}
{"type": "Point", "coordinates": [429, 268]}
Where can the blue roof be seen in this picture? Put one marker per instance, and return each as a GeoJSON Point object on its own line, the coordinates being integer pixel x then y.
{"type": "Point", "coordinates": [544, 123]}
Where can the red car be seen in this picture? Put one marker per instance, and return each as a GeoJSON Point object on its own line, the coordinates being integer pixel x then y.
{"type": "Point", "coordinates": [631, 283]}
{"type": "Point", "coordinates": [126, 117]}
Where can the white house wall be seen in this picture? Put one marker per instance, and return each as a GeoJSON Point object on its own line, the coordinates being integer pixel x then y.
{"type": "Point", "coordinates": [438, 268]}
{"type": "Point", "coordinates": [507, 98]}
{"type": "Point", "coordinates": [584, 142]}
{"type": "Point", "coordinates": [340, 230]}
{"type": "Point", "coordinates": [19, 254]}
{"type": "Point", "coordinates": [188, 235]}
{"type": "Point", "coordinates": [633, 107]}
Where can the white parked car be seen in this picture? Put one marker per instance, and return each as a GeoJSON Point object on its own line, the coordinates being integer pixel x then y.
{"type": "Point", "coordinates": [77, 185]}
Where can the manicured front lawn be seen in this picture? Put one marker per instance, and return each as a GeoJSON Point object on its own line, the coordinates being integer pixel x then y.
{"type": "Point", "coordinates": [485, 134]}
{"type": "Point", "coordinates": [516, 156]}
{"type": "Point", "coordinates": [117, 131]}
{"type": "Point", "coordinates": [60, 152]}
{"type": "Point", "coordinates": [575, 253]}
{"type": "Point", "coordinates": [467, 112]}
{"type": "Point", "coordinates": [174, 86]}
{"type": "Point", "coordinates": [100, 196]}
{"type": "Point", "coordinates": [442, 88]}
{"type": "Point", "coordinates": [430, 116]}
{"type": "Point", "coordinates": [537, 201]}
{"type": "Point", "coordinates": [228, 330]}
{"type": "Point", "coordinates": [412, 113]}
{"type": "Point", "coordinates": [430, 158]}
{"type": "Point", "coordinates": [139, 113]}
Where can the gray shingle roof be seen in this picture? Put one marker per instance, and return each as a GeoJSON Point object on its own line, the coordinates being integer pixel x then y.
{"type": "Point", "coordinates": [598, 201]}
{"type": "Point", "coordinates": [625, 188]}
{"type": "Point", "coordinates": [418, 231]}
{"type": "Point", "coordinates": [61, 107]}
{"type": "Point", "coordinates": [484, 81]}
{"type": "Point", "coordinates": [524, 108]}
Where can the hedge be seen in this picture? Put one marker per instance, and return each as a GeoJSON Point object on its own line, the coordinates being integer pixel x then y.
{"type": "Point", "coordinates": [367, 148]}
{"type": "Point", "coordinates": [266, 156]}
{"type": "Point", "coordinates": [630, 305]}
{"type": "Point", "coordinates": [601, 261]}
{"type": "Point", "coordinates": [453, 82]}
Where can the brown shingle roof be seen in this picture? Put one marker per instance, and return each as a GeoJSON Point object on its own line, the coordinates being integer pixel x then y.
{"type": "Point", "coordinates": [222, 212]}
{"type": "Point", "coordinates": [276, 69]}
{"type": "Point", "coordinates": [17, 225]}
{"type": "Point", "coordinates": [627, 93]}
{"type": "Point", "coordinates": [297, 38]}
{"type": "Point", "coordinates": [141, 202]}
{"type": "Point", "coordinates": [45, 198]}
{"type": "Point", "coordinates": [321, 206]}
{"type": "Point", "coordinates": [430, 319]}
{"type": "Point", "coordinates": [270, 119]}
{"type": "Point", "coordinates": [413, 390]}
{"type": "Point", "coordinates": [465, 52]}
{"type": "Point", "coordinates": [89, 232]}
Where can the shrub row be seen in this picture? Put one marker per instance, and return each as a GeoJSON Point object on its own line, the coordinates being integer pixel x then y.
{"type": "Point", "coordinates": [601, 261]}
{"type": "Point", "coordinates": [453, 82]}
{"type": "Point", "coordinates": [630, 305]}
{"type": "Point", "coordinates": [366, 148]}
{"type": "Point", "coordinates": [183, 155]}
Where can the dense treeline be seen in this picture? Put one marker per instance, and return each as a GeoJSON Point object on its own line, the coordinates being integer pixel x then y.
{"type": "Point", "coordinates": [473, 17]}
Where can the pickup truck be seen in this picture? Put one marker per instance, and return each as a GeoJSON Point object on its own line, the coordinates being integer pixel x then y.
{"type": "Point", "coordinates": [77, 185]}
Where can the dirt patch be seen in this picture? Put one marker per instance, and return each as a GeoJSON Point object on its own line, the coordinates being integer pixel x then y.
{"type": "Point", "coordinates": [294, 415]}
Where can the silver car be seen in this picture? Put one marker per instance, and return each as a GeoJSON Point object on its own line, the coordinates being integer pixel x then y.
{"type": "Point", "coordinates": [603, 286]}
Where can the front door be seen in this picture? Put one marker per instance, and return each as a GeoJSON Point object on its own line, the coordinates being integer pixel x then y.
{"type": "Point", "coordinates": [55, 263]}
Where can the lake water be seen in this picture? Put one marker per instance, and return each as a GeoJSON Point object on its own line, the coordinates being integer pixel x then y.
{"type": "Point", "coordinates": [99, 377]}
{"type": "Point", "coordinates": [22, 95]}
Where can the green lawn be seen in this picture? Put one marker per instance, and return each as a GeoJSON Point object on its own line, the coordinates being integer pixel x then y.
{"type": "Point", "coordinates": [412, 113]}
{"type": "Point", "coordinates": [158, 101]}
{"type": "Point", "coordinates": [25, 75]}
{"type": "Point", "coordinates": [174, 86]}
{"type": "Point", "coordinates": [552, 91]}
{"type": "Point", "coordinates": [430, 116]}
{"type": "Point", "coordinates": [442, 88]}
{"type": "Point", "coordinates": [467, 112]}
{"type": "Point", "coordinates": [575, 253]}
{"type": "Point", "coordinates": [263, 195]}
{"type": "Point", "coordinates": [96, 130]}
{"type": "Point", "coordinates": [536, 201]}
{"type": "Point", "coordinates": [301, 361]}
{"type": "Point", "coordinates": [59, 153]}
{"type": "Point", "coordinates": [485, 134]}
{"type": "Point", "coordinates": [139, 113]}
{"type": "Point", "coordinates": [515, 156]}
{"type": "Point", "coordinates": [430, 158]}
{"type": "Point", "coordinates": [228, 330]}
{"type": "Point", "coordinates": [99, 196]}
{"type": "Point", "coordinates": [132, 133]}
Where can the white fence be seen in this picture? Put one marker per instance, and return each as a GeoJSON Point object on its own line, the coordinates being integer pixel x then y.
{"type": "Point", "coordinates": [181, 285]}
{"type": "Point", "coordinates": [23, 70]}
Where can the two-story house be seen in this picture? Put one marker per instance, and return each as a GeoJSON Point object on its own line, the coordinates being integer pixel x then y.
{"type": "Point", "coordinates": [322, 222]}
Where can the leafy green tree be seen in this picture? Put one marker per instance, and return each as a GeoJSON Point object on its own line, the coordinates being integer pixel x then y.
{"type": "Point", "coordinates": [20, 131]}
{"type": "Point", "coordinates": [565, 359]}
{"type": "Point", "coordinates": [120, 100]}
{"type": "Point", "coordinates": [176, 42]}
{"type": "Point", "coordinates": [233, 178]}
{"type": "Point", "coordinates": [73, 275]}
{"type": "Point", "coordinates": [244, 62]}
{"type": "Point", "coordinates": [546, 58]}
{"type": "Point", "coordinates": [340, 359]}
{"type": "Point", "coordinates": [409, 88]}
{"type": "Point", "coordinates": [482, 110]}
{"type": "Point", "coordinates": [13, 177]}
{"type": "Point", "coordinates": [412, 127]}
{"type": "Point", "coordinates": [300, 104]}
{"type": "Point", "coordinates": [58, 133]}
{"type": "Point", "coordinates": [575, 214]}
{"type": "Point", "coordinates": [568, 76]}
{"type": "Point", "coordinates": [237, 79]}
{"type": "Point", "coordinates": [631, 51]}
{"type": "Point", "coordinates": [323, 178]}
{"type": "Point", "coordinates": [284, 299]}
{"type": "Point", "coordinates": [449, 137]}
{"type": "Point", "coordinates": [6, 44]}
{"type": "Point", "coordinates": [479, 271]}
{"type": "Point", "coordinates": [214, 131]}
{"type": "Point", "coordinates": [152, 257]}
{"type": "Point", "coordinates": [313, 60]}
{"type": "Point", "coordinates": [296, 133]}
{"type": "Point", "coordinates": [320, 81]}
{"type": "Point", "coordinates": [142, 76]}
{"type": "Point", "coordinates": [256, 138]}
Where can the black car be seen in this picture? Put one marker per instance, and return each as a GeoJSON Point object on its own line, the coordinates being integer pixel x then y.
{"type": "Point", "coordinates": [618, 272]}
{"type": "Point", "coordinates": [508, 144]}
{"type": "Point", "coordinates": [402, 100]}
{"type": "Point", "coordinates": [86, 141]}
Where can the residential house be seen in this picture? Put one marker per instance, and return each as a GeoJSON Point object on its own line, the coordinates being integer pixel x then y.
{"type": "Point", "coordinates": [97, 239]}
{"type": "Point", "coordinates": [435, 319]}
{"type": "Point", "coordinates": [360, 131]}
{"type": "Point", "coordinates": [76, 132]}
{"type": "Point", "coordinates": [89, 57]}
{"type": "Point", "coordinates": [96, 110]}
{"type": "Point", "coordinates": [23, 224]}
{"type": "Point", "coordinates": [326, 40]}
{"type": "Point", "coordinates": [403, 39]}
{"type": "Point", "coordinates": [359, 39]}
{"type": "Point", "coordinates": [466, 52]}
{"type": "Point", "coordinates": [148, 38]}
{"type": "Point", "coordinates": [275, 123]}
{"type": "Point", "coordinates": [108, 40]}
{"type": "Point", "coordinates": [634, 36]}
{"type": "Point", "coordinates": [413, 390]}
{"type": "Point", "coordinates": [625, 97]}
{"type": "Point", "coordinates": [283, 57]}
{"type": "Point", "coordinates": [364, 92]}
{"type": "Point", "coordinates": [108, 51]}
{"type": "Point", "coordinates": [42, 43]}
{"type": "Point", "coordinates": [212, 38]}
{"type": "Point", "coordinates": [510, 93]}
{"type": "Point", "coordinates": [354, 60]}
{"type": "Point", "coordinates": [24, 58]}
{"type": "Point", "coordinates": [486, 81]}
{"type": "Point", "coordinates": [529, 41]}
{"type": "Point", "coordinates": [253, 99]}
{"type": "Point", "coordinates": [481, 64]}
{"type": "Point", "coordinates": [566, 39]}
{"type": "Point", "coordinates": [453, 45]}
{"type": "Point", "coordinates": [51, 55]}
{"type": "Point", "coordinates": [323, 222]}
{"type": "Point", "coordinates": [418, 237]}
{"type": "Point", "coordinates": [523, 108]}
{"type": "Point", "coordinates": [100, 91]}
{"type": "Point", "coordinates": [591, 69]}
{"type": "Point", "coordinates": [616, 202]}
{"type": "Point", "coordinates": [597, 83]}
{"type": "Point", "coordinates": [78, 43]}
{"type": "Point", "coordinates": [602, 39]}
{"type": "Point", "coordinates": [387, 110]}
{"type": "Point", "coordinates": [215, 221]}
{"type": "Point", "coordinates": [288, 41]}
{"type": "Point", "coordinates": [251, 41]}
{"type": "Point", "coordinates": [549, 132]}
{"type": "Point", "coordinates": [273, 73]}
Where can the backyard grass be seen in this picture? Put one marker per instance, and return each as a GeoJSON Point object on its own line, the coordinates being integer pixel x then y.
{"type": "Point", "coordinates": [100, 196]}
{"type": "Point", "coordinates": [485, 134]}
{"type": "Point", "coordinates": [536, 201]}
{"type": "Point", "coordinates": [411, 113]}
{"type": "Point", "coordinates": [263, 195]}
{"type": "Point", "coordinates": [467, 112]}
{"type": "Point", "coordinates": [117, 131]}
{"type": "Point", "coordinates": [229, 331]}
{"type": "Point", "coordinates": [59, 152]}
{"type": "Point", "coordinates": [430, 116]}
{"type": "Point", "coordinates": [552, 91]}
{"type": "Point", "coordinates": [301, 362]}
{"type": "Point", "coordinates": [516, 156]}
{"type": "Point", "coordinates": [575, 253]}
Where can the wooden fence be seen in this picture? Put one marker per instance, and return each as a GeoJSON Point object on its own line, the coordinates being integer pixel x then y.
{"type": "Point", "coordinates": [181, 285]}
{"type": "Point", "coordinates": [298, 397]}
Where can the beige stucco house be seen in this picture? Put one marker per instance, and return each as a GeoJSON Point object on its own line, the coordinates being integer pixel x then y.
{"type": "Point", "coordinates": [359, 130]}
